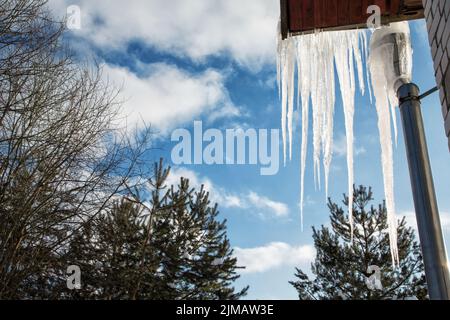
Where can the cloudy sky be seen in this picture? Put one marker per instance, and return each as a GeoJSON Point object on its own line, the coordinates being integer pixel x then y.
{"type": "Point", "coordinates": [215, 60]}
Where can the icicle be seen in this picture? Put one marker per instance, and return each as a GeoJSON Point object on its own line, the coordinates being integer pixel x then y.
{"type": "Point", "coordinates": [283, 106]}
{"type": "Point", "coordinates": [393, 102]}
{"type": "Point", "coordinates": [281, 61]}
{"type": "Point", "coordinates": [316, 56]}
{"type": "Point", "coordinates": [385, 75]}
{"type": "Point", "coordinates": [291, 73]}
{"type": "Point", "coordinates": [304, 88]}
{"type": "Point", "coordinates": [328, 124]}
{"type": "Point", "coordinates": [286, 72]}
{"type": "Point", "coordinates": [357, 52]}
{"type": "Point", "coordinates": [384, 126]}
{"type": "Point", "coordinates": [346, 73]}
{"type": "Point", "coordinates": [279, 53]}
{"type": "Point", "coordinates": [366, 59]}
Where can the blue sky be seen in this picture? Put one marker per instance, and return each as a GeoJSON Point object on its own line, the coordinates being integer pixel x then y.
{"type": "Point", "coordinates": [214, 61]}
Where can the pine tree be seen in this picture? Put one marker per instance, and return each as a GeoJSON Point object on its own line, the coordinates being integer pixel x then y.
{"type": "Point", "coordinates": [341, 267]}
{"type": "Point", "coordinates": [158, 242]}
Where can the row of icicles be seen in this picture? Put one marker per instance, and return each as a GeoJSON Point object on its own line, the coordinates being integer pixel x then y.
{"type": "Point", "coordinates": [314, 58]}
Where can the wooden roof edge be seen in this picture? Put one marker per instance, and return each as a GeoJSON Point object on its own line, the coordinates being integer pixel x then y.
{"type": "Point", "coordinates": [408, 13]}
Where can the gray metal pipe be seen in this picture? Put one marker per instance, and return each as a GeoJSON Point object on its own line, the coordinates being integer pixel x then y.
{"type": "Point", "coordinates": [427, 213]}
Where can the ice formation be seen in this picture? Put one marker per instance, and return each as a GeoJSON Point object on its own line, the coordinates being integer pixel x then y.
{"type": "Point", "coordinates": [314, 58]}
{"type": "Point", "coordinates": [389, 67]}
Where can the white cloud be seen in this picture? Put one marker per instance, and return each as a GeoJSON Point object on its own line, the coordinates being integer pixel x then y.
{"type": "Point", "coordinates": [412, 222]}
{"type": "Point", "coordinates": [263, 203]}
{"type": "Point", "coordinates": [197, 29]}
{"type": "Point", "coordinates": [267, 208]}
{"type": "Point", "coordinates": [167, 97]}
{"type": "Point", "coordinates": [274, 255]}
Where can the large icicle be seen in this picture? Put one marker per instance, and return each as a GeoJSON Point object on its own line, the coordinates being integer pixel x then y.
{"type": "Point", "coordinates": [345, 71]}
{"type": "Point", "coordinates": [317, 55]}
{"type": "Point", "coordinates": [328, 124]}
{"type": "Point", "coordinates": [286, 75]}
{"type": "Point", "coordinates": [304, 89]}
{"type": "Point", "coordinates": [385, 77]}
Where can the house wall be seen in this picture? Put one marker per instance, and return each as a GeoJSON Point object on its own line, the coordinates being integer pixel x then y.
{"type": "Point", "coordinates": [437, 14]}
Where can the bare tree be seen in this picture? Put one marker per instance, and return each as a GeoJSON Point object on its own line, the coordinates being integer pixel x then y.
{"type": "Point", "coordinates": [62, 160]}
